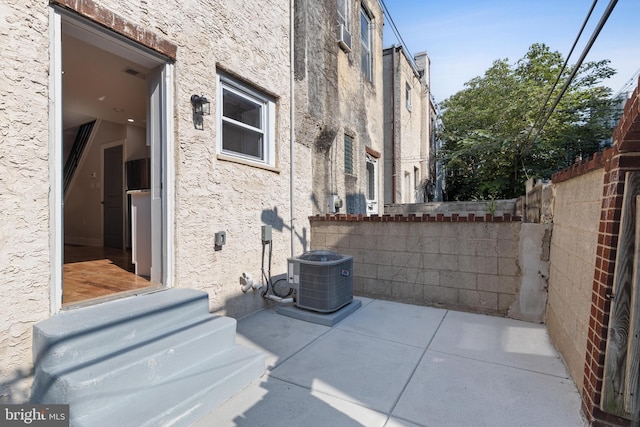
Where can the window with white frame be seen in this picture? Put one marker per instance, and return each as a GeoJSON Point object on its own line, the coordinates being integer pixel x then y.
{"type": "Point", "coordinates": [343, 13]}
{"type": "Point", "coordinates": [246, 120]}
{"type": "Point", "coordinates": [407, 95]}
{"type": "Point", "coordinates": [408, 191]}
{"type": "Point", "coordinates": [372, 185]}
{"type": "Point", "coordinates": [366, 43]}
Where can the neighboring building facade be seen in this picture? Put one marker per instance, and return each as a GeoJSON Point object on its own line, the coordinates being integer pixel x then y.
{"type": "Point", "coordinates": [338, 102]}
{"type": "Point", "coordinates": [409, 125]}
{"type": "Point", "coordinates": [229, 171]}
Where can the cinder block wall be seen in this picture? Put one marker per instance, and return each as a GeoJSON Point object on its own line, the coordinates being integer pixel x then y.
{"type": "Point", "coordinates": [464, 263]}
{"type": "Point", "coordinates": [573, 252]}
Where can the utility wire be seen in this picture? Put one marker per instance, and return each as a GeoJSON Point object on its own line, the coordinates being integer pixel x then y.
{"type": "Point", "coordinates": [396, 31]}
{"type": "Point", "coordinates": [628, 85]}
{"type": "Point", "coordinates": [564, 66]}
{"type": "Point", "coordinates": [595, 34]}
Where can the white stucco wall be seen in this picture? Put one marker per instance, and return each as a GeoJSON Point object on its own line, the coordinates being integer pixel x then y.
{"type": "Point", "coordinates": [24, 188]}
{"type": "Point", "coordinates": [247, 38]}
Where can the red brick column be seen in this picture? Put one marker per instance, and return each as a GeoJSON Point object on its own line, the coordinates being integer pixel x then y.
{"type": "Point", "coordinates": [623, 157]}
{"type": "Point", "coordinates": [91, 10]}
{"type": "Point", "coordinates": [602, 287]}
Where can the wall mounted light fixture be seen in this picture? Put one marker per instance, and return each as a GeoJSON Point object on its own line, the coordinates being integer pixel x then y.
{"type": "Point", "coordinates": [201, 107]}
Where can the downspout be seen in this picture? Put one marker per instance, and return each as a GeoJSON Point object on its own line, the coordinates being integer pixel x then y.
{"type": "Point", "coordinates": [393, 123]}
{"type": "Point", "coordinates": [292, 121]}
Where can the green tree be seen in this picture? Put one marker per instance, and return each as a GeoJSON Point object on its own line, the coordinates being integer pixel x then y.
{"type": "Point", "coordinates": [490, 147]}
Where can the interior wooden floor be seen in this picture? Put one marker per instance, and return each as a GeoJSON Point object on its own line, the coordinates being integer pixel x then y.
{"type": "Point", "coordinates": [97, 272]}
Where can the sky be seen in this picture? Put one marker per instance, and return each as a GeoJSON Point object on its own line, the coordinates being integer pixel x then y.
{"type": "Point", "coordinates": [464, 37]}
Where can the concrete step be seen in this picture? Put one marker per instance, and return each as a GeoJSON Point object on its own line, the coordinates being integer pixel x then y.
{"type": "Point", "coordinates": [153, 359]}
{"type": "Point", "coordinates": [92, 383]}
{"type": "Point", "coordinates": [182, 399]}
{"type": "Point", "coordinates": [79, 335]}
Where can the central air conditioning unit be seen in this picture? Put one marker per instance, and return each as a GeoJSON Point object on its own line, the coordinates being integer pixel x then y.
{"type": "Point", "coordinates": [323, 280]}
{"type": "Point", "coordinates": [344, 38]}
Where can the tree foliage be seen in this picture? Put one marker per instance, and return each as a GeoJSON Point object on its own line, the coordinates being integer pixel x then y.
{"type": "Point", "coordinates": [487, 130]}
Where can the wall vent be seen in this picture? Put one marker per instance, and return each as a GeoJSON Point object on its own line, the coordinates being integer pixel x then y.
{"type": "Point", "coordinates": [134, 72]}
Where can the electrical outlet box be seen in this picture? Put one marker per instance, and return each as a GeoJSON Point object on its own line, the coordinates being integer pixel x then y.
{"type": "Point", "coordinates": [266, 233]}
{"type": "Point", "coordinates": [220, 238]}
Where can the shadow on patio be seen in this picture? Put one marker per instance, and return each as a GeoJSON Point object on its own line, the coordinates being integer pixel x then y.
{"type": "Point", "coordinates": [392, 364]}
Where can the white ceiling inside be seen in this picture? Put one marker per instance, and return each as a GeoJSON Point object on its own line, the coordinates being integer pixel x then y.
{"type": "Point", "coordinates": [100, 84]}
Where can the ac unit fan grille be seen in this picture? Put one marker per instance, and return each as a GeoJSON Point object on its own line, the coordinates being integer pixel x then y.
{"type": "Point", "coordinates": [325, 288]}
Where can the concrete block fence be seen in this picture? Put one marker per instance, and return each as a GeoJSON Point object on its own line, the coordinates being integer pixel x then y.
{"type": "Point", "coordinates": [457, 261]}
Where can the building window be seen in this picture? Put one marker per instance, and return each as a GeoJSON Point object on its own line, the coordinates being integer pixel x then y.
{"type": "Point", "coordinates": [372, 186]}
{"type": "Point", "coordinates": [418, 193]}
{"type": "Point", "coordinates": [407, 95]}
{"type": "Point", "coordinates": [343, 14]}
{"type": "Point", "coordinates": [371, 181]}
{"type": "Point", "coordinates": [408, 191]}
{"type": "Point", "coordinates": [348, 154]}
{"type": "Point", "coordinates": [246, 122]}
{"type": "Point", "coordinates": [365, 40]}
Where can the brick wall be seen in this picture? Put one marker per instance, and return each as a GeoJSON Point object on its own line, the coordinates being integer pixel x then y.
{"type": "Point", "coordinates": [463, 262]}
{"type": "Point", "coordinates": [615, 162]}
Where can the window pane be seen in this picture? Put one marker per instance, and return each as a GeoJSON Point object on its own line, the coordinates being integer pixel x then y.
{"type": "Point", "coordinates": [364, 28]}
{"type": "Point", "coordinates": [371, 183]}
{"type": "Point", "coordinates": [407, 94]}
{"type": "Point", "coordinates": [342, 12]}
{"type": "Point", "coordinates": [241, 109]}
{"type": "Point", "coordinates": [366, 63]}
{"type": "Point", "coordinates": [365, 41]}
{"type": "Point", "coordinates": [242, 140]}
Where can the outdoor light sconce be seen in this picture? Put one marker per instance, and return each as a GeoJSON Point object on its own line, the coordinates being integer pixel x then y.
{"type": "Point", "coordinates": [201, 107]}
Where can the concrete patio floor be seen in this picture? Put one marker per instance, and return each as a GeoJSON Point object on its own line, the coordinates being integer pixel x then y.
{"type": "Point", "coordinates": [391, 364]}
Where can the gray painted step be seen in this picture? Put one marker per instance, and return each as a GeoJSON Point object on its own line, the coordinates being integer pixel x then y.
{"type": "Point", "coordinates": [78, 335]}
{"type": "Point", "coordinates": [184, 398]}
{"type": "Point", "coordinates": [157, 358]}
{"type": "Point", "coordinates": [92, 383]}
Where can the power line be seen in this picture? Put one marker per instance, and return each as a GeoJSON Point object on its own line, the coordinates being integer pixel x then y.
{"type": "Point", "coordinates": [628, 85]}
{"type": "Point", "coordinates": [595, 34]}
{"type": "Point", "coordinates": [396, 31]}
{"type": "Point", "coordinates": [564, 66]}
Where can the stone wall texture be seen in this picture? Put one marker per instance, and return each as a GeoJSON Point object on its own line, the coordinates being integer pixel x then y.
{"type": "Point", "coordinates": [405, 129]}
{"type": "Point", "coordinates": [573, 251]}
{"type": "Point", "coordinates": [471, 266]}
{"type": "Point", "coordinates": [334, 98]}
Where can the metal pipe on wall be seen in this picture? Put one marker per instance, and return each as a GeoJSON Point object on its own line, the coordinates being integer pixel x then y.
{"type": "Point", "coordinates": [292, 135]}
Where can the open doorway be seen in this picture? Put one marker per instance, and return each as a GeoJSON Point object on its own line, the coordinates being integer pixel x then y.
{"type": "Point", "coordinates": [110, 128]}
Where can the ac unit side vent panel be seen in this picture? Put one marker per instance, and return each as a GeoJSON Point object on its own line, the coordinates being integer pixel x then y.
{"type": "Point", "coordinates": [344, 38]}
